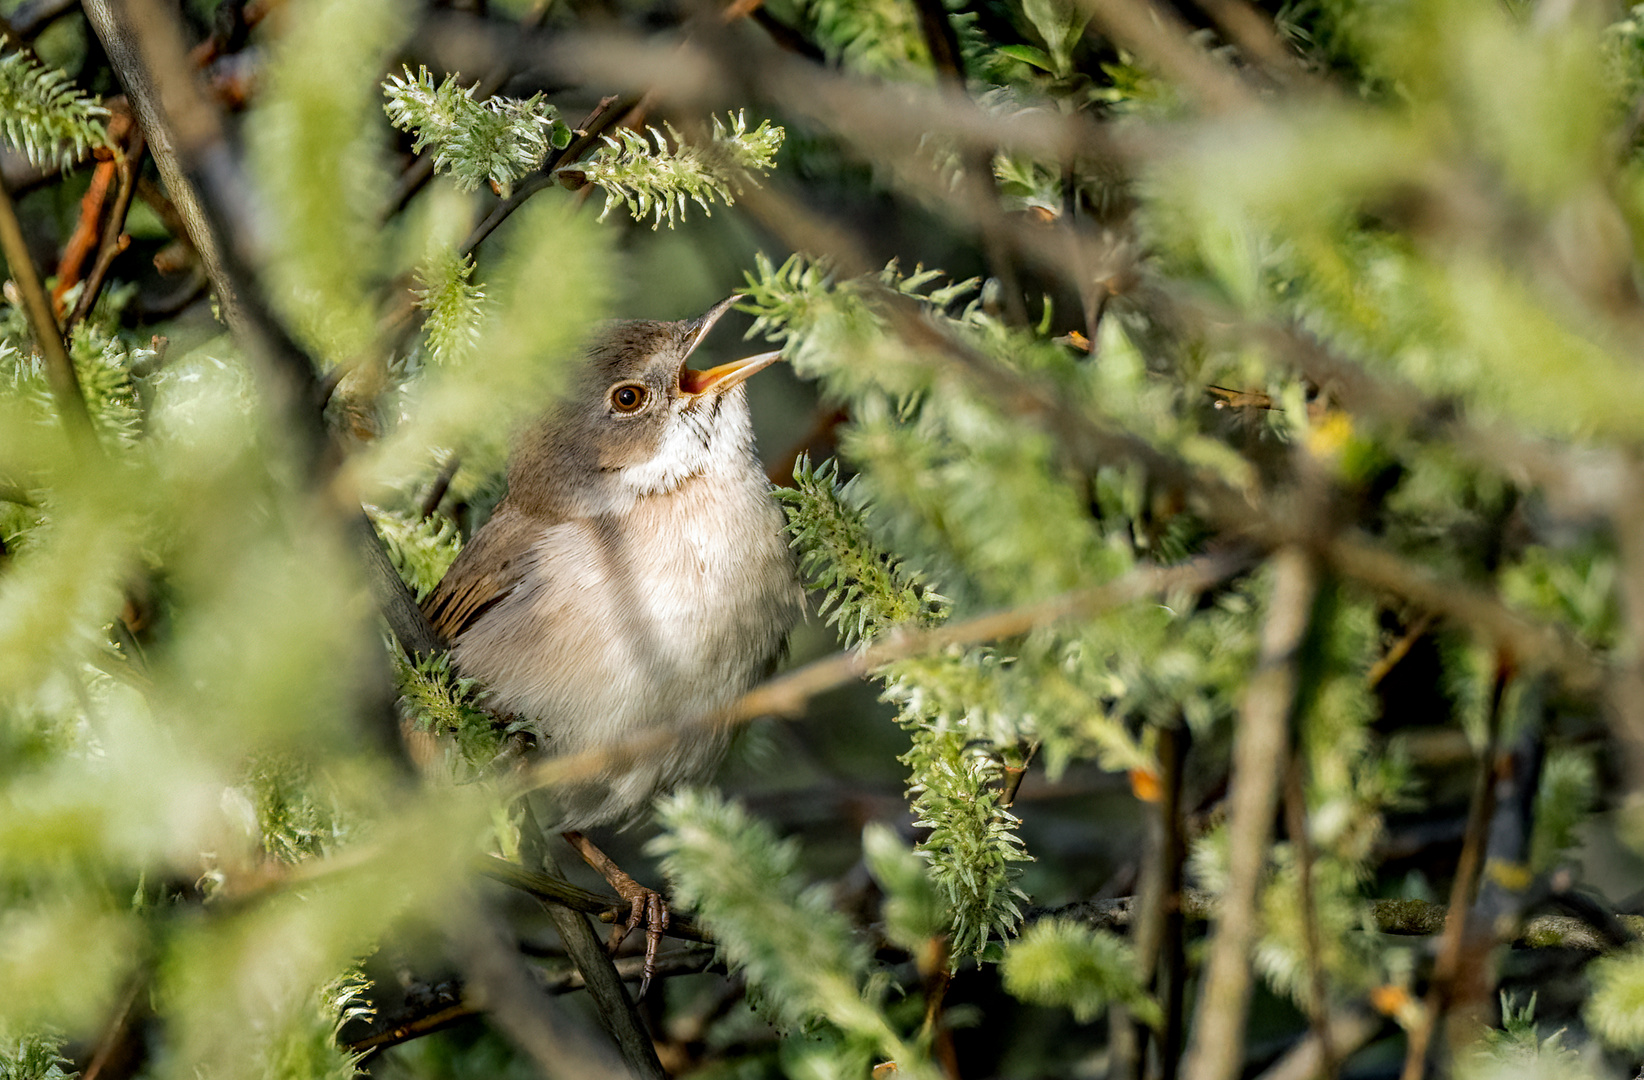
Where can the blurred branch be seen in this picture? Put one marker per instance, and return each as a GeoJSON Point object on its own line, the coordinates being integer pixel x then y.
{"type": "Point", "coordinates": [119, 1051]}
{"type": "Point", "coordinates": [787, 695]}
{"type": "Point", "coordinates": [145, 46]}
{"type": "Point", "coordinates": [1260, 746]}
{"type": "Point", "coordinates": [408, 1024]}
{"type": "Point", "coordinates": [1404, 918]}
{"type": "Point", "coordinates": [1625, 691]}
{"type": "Point", "coordinates": [499, 982]}
{"type": "Point", "coordinates": [1252, 31]}
{"type": "Point", "coordinates": [29, 20]}
{"type": "Point", "coordinates": [1093, 442]}
{"type": "Point", "coordinates": [616, 1011]}
{"type": "Point", "coordinates": [60, 375]}
{"type": "Point", "coordinates": [1481, 806]}
{"type": "Point", "coordinates": [1160, 37]}
{"type": "Point", "coordinates": [1349, 1031]}
{"type": "Point", "coordinates": [1294, 798]}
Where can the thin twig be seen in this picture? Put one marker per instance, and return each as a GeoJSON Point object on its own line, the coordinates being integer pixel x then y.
{"type": "Point", "coordinates": [1170, 983]}
{"type": "Point", "coordinates": [1160, 37]}
{"type": "Point", "coordinates": [1260, 747]}
{"type": "Point", "coordinates": [413, 1024]}
{"type": "Point", "coordinates": [88, 231]}
{"type": "Point", "coordinates": [1468, 867]}
{"type": "Point", "coordinates": [442, 483]}
{"type": "Point", "coordinates": [1399, 650]}
{"type": "Point", "coordinates": [616, 1011]}
{"type": "Point", "coordinates": [1404, 918]}
{"type": "Point", "coordinates": [1318, 996]}
{"type": "Point", "coordinates": [788, 695]}
{"type": "Point", "coordinates": [498, 981]}
{"type": "Point", "coordinates": [65, 384]}
{"type": "Point", "coordinates": [113, 239]}
{"type": "Point", "coordinates": [604, 115]}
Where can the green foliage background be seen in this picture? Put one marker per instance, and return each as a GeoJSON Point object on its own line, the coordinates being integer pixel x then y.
{"type": "Point", "coordinates": [1348, 279]}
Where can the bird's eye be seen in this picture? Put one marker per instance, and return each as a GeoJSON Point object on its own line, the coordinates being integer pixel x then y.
{"type": "Point", "coordinates": [629, 397]}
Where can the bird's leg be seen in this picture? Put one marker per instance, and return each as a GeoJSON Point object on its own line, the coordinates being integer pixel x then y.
{"type": "Point", "coordinates": [645, 906]}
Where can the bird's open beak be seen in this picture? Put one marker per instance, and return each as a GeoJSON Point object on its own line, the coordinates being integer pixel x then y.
{"type": "Point", "coordinates": [719, 379]}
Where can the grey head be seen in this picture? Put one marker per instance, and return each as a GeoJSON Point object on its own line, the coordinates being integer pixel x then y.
{"type": "Point", "coordinates": [637, 421]}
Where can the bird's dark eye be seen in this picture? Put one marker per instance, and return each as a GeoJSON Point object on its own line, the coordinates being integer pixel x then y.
{"type": "Point", "coordinates": [629, 397]}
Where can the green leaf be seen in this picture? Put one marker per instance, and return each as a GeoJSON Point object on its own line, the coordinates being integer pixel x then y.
{"type": "Point", "coordinates": [1028, 54]}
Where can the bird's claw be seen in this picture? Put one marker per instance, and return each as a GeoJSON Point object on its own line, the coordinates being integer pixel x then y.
{"type": "Point", "coordinates": [649, 908]}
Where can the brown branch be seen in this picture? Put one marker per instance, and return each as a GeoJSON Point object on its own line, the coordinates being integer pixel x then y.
{"type": "Point", "coordinates": [1480, 808]}
{"type": "Point", "coordinates": [412, 1024]}
{"type": "Point", "coordinates": [29, 20]}
{"type": "Point", "coordinates": [1399, 650]}
{"type": "Point", "coordinates": [87, 232]}
{"type": "Point", "coordinates": [602, 117]}
{"type": "Point", "coordinates": [60, 374]}
{"type": "Point", "coordinates": [558, 891]}
{"type": "Point", "coordinates": [114, 238]}
{"type": "Point", "coordinates": [1161, 38]}
{"type": "Point", "coordinates": [787, 695]}
{"type": "Point", "coordinates": [499, 982]}
{"type": "Point", "coordinates": [1260, 746]}
{"type": "Point", "coordinates": [1318, 995]}
{"type": "Point", "coordinates": [616, 1010]}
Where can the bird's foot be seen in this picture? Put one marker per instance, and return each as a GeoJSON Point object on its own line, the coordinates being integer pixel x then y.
{"type": "Point", "coordinates": [646, 907]}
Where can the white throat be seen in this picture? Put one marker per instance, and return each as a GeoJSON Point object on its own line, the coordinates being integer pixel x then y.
{"type": "Point", "coordinates": [704, 435]}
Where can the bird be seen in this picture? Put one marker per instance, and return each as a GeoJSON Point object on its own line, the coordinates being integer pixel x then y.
{"type": "Point", "coordinates": [634, 579]}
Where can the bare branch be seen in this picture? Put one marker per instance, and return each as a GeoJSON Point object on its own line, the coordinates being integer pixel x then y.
{"type": "Point", "coordinates": [65, 384]}
{"type": "Point", "coordinates": [1260, 746]}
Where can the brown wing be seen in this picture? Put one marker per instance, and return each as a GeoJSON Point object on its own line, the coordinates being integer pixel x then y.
{"type": "Point", "coordinates": [489, 568]}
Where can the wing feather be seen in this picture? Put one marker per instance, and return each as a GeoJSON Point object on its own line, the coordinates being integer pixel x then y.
{"type": "Point", "coordinates": [481, 576]}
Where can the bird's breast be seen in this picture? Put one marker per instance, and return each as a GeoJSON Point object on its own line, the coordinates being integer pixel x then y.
{"type": "Point", "coordinates": [622, 622]}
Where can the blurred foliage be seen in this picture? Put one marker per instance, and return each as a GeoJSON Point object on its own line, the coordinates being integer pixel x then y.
{"type": "Point", "coordinates": [1442, 198]}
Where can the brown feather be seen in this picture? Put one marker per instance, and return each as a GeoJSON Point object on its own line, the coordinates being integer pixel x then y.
{"type": "Point", "coordinates": [481, 576]}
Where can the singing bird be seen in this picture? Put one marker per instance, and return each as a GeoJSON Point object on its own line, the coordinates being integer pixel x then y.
{"type": "Point", "coordinates": [634, 579]}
